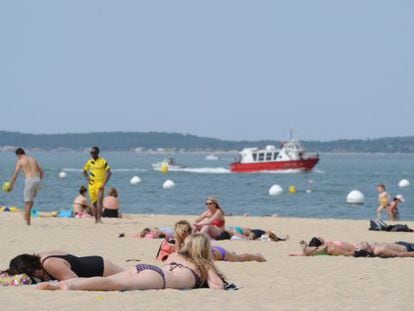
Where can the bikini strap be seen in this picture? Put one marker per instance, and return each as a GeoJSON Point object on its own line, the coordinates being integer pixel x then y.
{"type": "Point", "coordinates": [198, 281]}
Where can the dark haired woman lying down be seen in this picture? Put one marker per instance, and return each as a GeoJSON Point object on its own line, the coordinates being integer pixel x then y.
{"type": "Point", "coordinates": [59, 265]}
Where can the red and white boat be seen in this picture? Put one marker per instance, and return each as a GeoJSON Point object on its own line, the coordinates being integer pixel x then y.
{"type": "Point", "coordinates": [290, 156]}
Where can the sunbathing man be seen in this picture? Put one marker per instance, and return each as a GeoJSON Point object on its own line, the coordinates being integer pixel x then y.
{"type": "Point", "coordinates": [385, 250]}
{"type": "Point", "coordinates": [318, 246]}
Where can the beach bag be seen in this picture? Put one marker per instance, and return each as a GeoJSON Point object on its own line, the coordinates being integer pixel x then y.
{"type": "Point", "coordinates": [400, 228]}
{"type": "Point", "coordinates": [167, 247]}
{"type": "Point", "coordinates": [378, 225]}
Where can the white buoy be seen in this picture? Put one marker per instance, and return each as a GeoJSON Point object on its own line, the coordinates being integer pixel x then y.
{"type": "Point", "coordinates": [135, 180]}
{"type": "Point", "coordinates": [62, 174]}
{"type": "Point", "coordinates": [355, 197]}
{"type": "Point", "coordinates": [403, 183]}
{"type": "Point", "coordinates": [168, 184]}
{"type": "Point", "coordinates": [275, 190]}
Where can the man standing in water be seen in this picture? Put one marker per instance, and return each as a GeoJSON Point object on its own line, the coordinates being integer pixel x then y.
{"type": "Point", "coordinates": [97, 172]}
{"type": "Point", "coordinates": [34, 174]}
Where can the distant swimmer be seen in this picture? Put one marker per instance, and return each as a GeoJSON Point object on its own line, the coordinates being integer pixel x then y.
{"type": "Point", "coordinates": [383, 200]}
{"type": "Point", "coordinates": [97, 172]}
{"type": "Point", "coordinates": [34, 175]}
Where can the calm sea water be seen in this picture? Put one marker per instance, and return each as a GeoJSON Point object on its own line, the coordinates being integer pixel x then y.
{"type": "Point", "coordinates": [333, 178]}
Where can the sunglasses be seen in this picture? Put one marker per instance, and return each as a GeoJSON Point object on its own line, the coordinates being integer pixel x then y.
{"type": "Point", "coordinates": [209, 203]}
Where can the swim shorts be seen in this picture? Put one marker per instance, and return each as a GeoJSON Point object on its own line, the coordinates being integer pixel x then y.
{"type": "Point", "coordinates": [408, 246]}
{"type": "Point", "coordinates": [94, 191]}
{"type": "Point", "coordinates": [31, 188]}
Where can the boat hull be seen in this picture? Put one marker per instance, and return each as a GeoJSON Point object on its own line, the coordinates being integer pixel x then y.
{"type": "Point", "coordinates": [303, 165]}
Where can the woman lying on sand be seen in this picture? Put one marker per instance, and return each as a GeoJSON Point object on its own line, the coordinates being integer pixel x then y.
{"type": "Point", "coordinates": [59, 265]}
{"type": "Point", "coordinates": [155, 233]}
{"type": "Point", "coordinates": [183, 229]}
{"type": "Point", "coordinates": [192, 267]}
{"type": "Point", "coordinates": [250, 234]}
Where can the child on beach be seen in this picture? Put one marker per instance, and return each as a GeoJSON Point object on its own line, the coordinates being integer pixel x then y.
{"type": "Point", "coordinates": [383, 199]}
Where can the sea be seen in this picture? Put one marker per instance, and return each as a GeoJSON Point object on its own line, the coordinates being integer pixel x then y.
{"type": "Point", "coordinates": [320, 193]}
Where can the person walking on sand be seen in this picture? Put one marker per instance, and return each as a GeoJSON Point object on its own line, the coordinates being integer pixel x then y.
{"type": "Point", "coordinates": [383, 200]}
{"type": "Point", "coordinates": [33, 174]}
{"type": "Point", "coordinates": [97, 172]}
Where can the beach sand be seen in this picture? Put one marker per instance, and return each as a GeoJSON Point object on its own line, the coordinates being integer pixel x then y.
{"type": "Point", "coordinates": [282, 283]}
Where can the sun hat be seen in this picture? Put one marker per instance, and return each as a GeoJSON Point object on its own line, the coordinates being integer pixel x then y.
{"type": "Point", "coordinates": [400, 197]}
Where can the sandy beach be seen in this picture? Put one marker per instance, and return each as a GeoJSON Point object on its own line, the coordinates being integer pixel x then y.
{"type": "Point", "coordinates": [281, 283]}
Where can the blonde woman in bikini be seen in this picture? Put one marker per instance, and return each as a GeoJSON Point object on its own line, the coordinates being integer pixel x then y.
{"type": "Point", "coordinates": [211, 222]}
{"type": "Point", "coordinates": [383, 200]}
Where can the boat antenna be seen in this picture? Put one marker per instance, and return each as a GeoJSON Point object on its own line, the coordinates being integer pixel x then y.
{"type": "Point", "coordinates": [291, 134]}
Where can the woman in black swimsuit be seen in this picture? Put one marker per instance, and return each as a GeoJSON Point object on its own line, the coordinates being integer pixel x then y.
{"type": "Point", "coordinates": [59, 265]}
{"type": "Point", "coordinates": [192, 267]}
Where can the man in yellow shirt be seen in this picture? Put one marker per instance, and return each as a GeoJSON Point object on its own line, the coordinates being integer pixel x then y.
{"type": "Point", "coordinates": [97, 172]}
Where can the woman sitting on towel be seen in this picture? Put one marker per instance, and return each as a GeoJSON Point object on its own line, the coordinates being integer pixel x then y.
{"type": "Point", "coordinates": [59, 265]}
{"type": "Point", "coordinates": [191, 267]}
{"type": "Point", "coordinates": [211, 222]}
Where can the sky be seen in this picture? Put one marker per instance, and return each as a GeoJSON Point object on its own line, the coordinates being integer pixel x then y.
{"type": "Point", "coordinates": [229, 69]}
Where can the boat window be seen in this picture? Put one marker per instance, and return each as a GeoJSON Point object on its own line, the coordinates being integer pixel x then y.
{"type": "Point", "coordinates": [275, 155]}
{"type": "Point", "coordinates": [261, 156]}
{"type": "Point", "coordinates": [268, 156]}
{"type": "Point", "coordinates": [254, 154]}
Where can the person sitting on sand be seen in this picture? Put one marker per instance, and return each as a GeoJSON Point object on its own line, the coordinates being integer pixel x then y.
{"type": "Point", "coordinates": [191, 267]}
{"type": "Point", "coordinates": [60, 265]}
{"type": "Point", "coordinates": [183, 229]}
{"type": "Point", "coordinates": [318, 246]}
{"type": "Point", "coordinates": [155, 233]}
{"type": "Point", "coordinates": [81, 207]}
{"type": "Point", "coordinates": [211, 222]}
{"type": "Point", "coordinates": [111, 204]}
{"type": "Point", "coordinates": [385, 250]}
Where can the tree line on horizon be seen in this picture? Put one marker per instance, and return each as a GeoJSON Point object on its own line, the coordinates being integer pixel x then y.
{"type": "Point", "coordinates": [122, 141]}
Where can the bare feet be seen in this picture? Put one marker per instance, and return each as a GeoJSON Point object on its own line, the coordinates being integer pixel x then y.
{"type": "Point", "coordinates": [260, 258]}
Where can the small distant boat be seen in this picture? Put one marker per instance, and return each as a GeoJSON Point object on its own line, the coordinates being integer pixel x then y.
{"type": "Point", "coordinates": [212, 157]}
{"type": "Point", "coordinates": [290, 156]}
{"type": "Point", "coordinates": [172, 165]}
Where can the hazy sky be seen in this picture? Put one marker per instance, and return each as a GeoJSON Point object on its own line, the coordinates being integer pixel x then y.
{"type": "Point", "coordinates": [225, 69]}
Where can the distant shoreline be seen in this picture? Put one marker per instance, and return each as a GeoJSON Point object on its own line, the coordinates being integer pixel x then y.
{"type": "Point", "coordinates": [162, 143]}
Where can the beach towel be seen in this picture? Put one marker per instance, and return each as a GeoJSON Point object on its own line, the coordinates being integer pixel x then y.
{"type": "Point", "coordinates": [14, 280]}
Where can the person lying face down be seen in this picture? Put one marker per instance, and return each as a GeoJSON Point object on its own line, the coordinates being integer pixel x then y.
{"type": "Point", "coordinates": [385, 250]}
{"type": "Point", "coordinates": [183, 229]}
{"type": "Point", "coordinates": [243, 233]}
{"type": "Point", "coordinates": [320, 246]}
{"type": "Point", "coordinates": [191, 267]}
{"type": "Point", "coordinates": [60, 265]}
